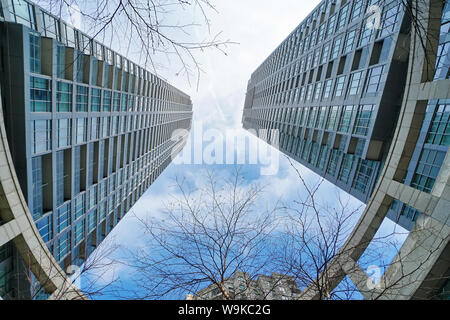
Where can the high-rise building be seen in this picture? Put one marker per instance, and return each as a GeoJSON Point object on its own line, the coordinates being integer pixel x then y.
{"type": "Point", "coordinates": [242, 287]}
{"type": "Point", "coordinates": [334, 89]}
{"type": "Point", "coordinates": [89, 131]}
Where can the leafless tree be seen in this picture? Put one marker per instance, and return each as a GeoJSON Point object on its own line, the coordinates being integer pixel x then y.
{"type": "Point", "coordinates": [148, 28]}
{"type": "Point", "coordinates": [424, 25]}
{"type": "Point", "coordinates": [206, 234]}
{"type": "Point", "coordinates": [314, 243]}
{"type": "Point", "coordinates": [313, 236]}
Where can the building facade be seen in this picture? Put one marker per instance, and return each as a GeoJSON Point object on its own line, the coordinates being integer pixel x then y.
{"type": "Point", "coordinates": [242, 287]}
{"type": "Point", "coordinates": [89, 131]}
{"type": "Point", "coordinates": [334, 89]}
{"type": "Point", "coordinates": [434, 138]}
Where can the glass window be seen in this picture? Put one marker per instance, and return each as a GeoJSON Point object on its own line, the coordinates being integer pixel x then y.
{"type": "Point", "coordinates": [321, 118]}
{"type": "Point", "coordinates": [339, 87]}
{"type": "Point", "coordinates": [332, 118]}
{"type": "Point", "coordinates": [92, 198]}
{"type": "Point", "coordinates": [106, 101]}
{"type": "Point", "coordinates": [77, 170]}
{"type": "Point", "coordinates": [81, 130]}
{"type": "Point", "coordinates": [95, 128]}
{"type": "Point", "coordinates": [317, 91]}
{"type": "Point", "coordinates": [327, 89]}
{"type": "Point", "coordinates": [331, 25]}
{"type": "Point", "coordinates": [24, 13]}
{"type": "Point", "coordinates": [70, 37]}
{"type": "Point", "coordinates": [443, 61]}
{"type": "Point", "coordinates": [322, 157]}
{"type": "Point", "coordinates": [316, 58]}
{"type": "Point", "coordinates": [427, 171]}
{"type": "Point", "coordinates": [80, 66]}
{"type": "Point", "coordinates": [131, 104]}
{"type": "Point", "coordinates": [363, 120]}
{"type": "Point", "coordinates": [410, 213]}
{"type": "Point", "coordinates": [102, 211]}
{"type": "Point", "coordinates": [102, 190]}
{"type": "Point", "coordinates": [111, 202]}
{"type": "Point", "coordinates": [115, 125]}
{"type": "Point", "coordinates": [389, 19]}
{"type": "Point", "coordinates": [106, 74]}
{"type": "Point", "coordinates": [78, 232]}
{"type": "Point", "coordinates": [306, 148]}
{"type": "Point", "coordinates": [443, 55]}
{"type": "Point", "coordinates": [343, 14]}
{"type": "Point", "coordinates": [36, 177]}
{"type": "Point", "coordinates": [50, 26]}
{"type": "Point", "coordinates": [312, 117]}
{"type": "Point", "coordinates": [336, 49]}
{"type": "Point", "coordinates": [325, 53]}
{"type": "Point", "coordinates": [360, 147]}
{"type": "Point", "coordinates": [61, 62]}
{"type": "Point", "coordinates": [358, 7]}
{"type": "Point", "coordinates": [96, 98]}
{"type": "Point", "coordinates": [346, 119]}
{"type": "Point", "coordinates": [62, 218]}
{"type": "Point", "coordinates": [124, 102]}
{"type": "Point", "coordinates": [63, 246]}
{"type": "Point", "coordinates": [82, 98]}
{"type": "Point", "coordinates": [321, 33]}
{"type": "Point", "coordinates": [366, 34]}
{"type": "Point", "coordinates": [346, 168]}
{"type": "Point", "coordinates": [91, 221]}
{"type": "Point", "coordinates": [364, 174]}
{"type": "Point", "coordinates": [123, 124]}
{"type": "Point", "coordinates": [90, 165]}
{"type": "Point", "coordinates": [385, 50]}
{"type": "Point", "coordinates": [45, 227]}
{"type": "Point", "coordinates": [85, 44]}
{"type": "Point", "coordinates": [349, 41]}
{"type": "Point", "coordinates": [64, 97]}
{"type": "Point", "coordinates": [42, 136]}
{"type": "Point", "coordinates": [79, 206]}
{"type": "Point", "coordinates": [363, 57]}
{"type": "Point", "coordinates": [59, 162]}
{"type": "Point", "coordinates": [334, 159]}
{"type": "Point", "coordinates": [64, 132]}
{"type": "Point", "coordinates": [355, 86]}
{"type": "Point", "coordinates": [40, 95]}
{"type": "Point", "coordinates": [309, 92]}
{"type": "Point", "coordinates": [106, 127]}
{"type": "Point", "coordinates": [35, 53]}
{"type": "Point", "coordinates": [439, 132]}
{"type": "Point", "coordinates": [94, 71]}
{"type": "Point", "coordinates": [374, 76]}
{"type": "Point", "coordinates": [314, 153]}
{"type": "Point", "coordinates": [116, 79]}
{"type": "Point", "coordinates": [116, 102]}
{"type": "Point", "coordinates": [101, 161]}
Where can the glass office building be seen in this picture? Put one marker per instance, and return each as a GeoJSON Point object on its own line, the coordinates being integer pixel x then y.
{"type": "Point", "coordinates": [89, 130]}
{"type": "Point", "coordinates": [334, 89]}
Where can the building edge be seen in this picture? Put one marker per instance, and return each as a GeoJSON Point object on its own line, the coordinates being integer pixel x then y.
{"type": "Point", "coordinates": [19, 227]}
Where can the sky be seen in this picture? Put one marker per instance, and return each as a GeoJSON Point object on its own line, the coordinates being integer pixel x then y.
{"type": "Point", "coordinates": [256, 28]}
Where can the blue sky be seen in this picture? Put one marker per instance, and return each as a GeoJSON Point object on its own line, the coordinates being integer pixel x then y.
{"type": "Point", "coordinates": [258, 27]}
